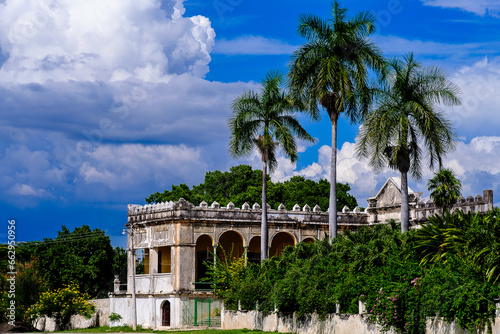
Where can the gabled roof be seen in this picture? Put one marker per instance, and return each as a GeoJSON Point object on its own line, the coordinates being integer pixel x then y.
{"type": "Point", "coordinates": [396, 182]}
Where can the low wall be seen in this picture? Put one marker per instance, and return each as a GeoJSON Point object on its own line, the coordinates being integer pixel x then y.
{"type": "Point", "coordinates": [100, 318]}
{"type": "Point", "coordinates": [332, 324]}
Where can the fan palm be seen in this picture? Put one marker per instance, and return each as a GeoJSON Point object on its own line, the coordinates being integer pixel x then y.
{"type": "Point", "coordinates": [266, 121]}
{"type": "Point", "coordinates": [331, 70]}
{"type": "Point", "coordinates": [406, 119]}
{"type": "Point", "coordinates": [445, 188]}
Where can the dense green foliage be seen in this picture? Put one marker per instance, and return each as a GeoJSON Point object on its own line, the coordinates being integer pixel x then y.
{"type": "Point", "coordinates": [242, 184]}
{"type": "Point", "coordinates": [386, 268]}
{"type": "Point", "coordinates": [83, 256]}
{"type": "Point", "coordinates": [475, 239]}
{"type": "Point", "coordinates": [28, 286]}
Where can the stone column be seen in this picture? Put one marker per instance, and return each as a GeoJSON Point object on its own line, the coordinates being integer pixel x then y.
{"type": "Point", "coordinates": [183, 267]}
{"type": "Point", "coordinates": [183, 257]}
{"type": "Point", "coordinates": [153, 311]}
{"type": "Point", "coordinates": [153, 269]}
{"type": "Point", "coordinates": [130, 267]}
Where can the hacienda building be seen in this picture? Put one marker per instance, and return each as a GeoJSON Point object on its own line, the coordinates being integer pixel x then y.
{"type": "Point", "coordinates": [174, 240]}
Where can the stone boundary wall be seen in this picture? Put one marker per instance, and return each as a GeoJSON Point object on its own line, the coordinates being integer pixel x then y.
{"type": "Point", "coordinates": [100, 318]}
{"type": "Point", "coordinates": [332, 324]}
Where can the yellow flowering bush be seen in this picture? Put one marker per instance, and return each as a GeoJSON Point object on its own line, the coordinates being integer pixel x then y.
{"type": "Point", "coordinates": [225, 276]}
{"type": "Point", "coordinates": [62, 304]}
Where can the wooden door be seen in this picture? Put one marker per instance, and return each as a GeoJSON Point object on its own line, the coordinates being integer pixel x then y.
{"type": "Point", "coordinates": [165, 319]}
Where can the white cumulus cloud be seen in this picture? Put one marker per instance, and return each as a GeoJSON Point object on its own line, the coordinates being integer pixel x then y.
{"type": "Point", "coordinates": [63, 40]}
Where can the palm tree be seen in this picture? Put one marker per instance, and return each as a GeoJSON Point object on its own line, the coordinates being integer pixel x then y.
{"type": "Point", "coordinates": [266, 121]}
{"type": "Point", "coordinates": [445, 188]}
{"type": "Point", "coordinates": [406, 119]}
{"type": "Point", "coordinates": [331, 70]}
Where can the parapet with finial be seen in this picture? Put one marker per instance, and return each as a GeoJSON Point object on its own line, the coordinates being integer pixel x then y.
{"type": "Point", "coordinates": [215, 212]}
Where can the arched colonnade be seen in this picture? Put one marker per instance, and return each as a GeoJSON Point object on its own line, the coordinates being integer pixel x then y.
{"type": "Point", "coordinates": [232, 243]}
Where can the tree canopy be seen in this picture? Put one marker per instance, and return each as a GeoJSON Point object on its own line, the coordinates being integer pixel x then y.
{"type": "Point", "coordinates": [82, 256]}
{"type": "Point", "coordinates": [243, 184]}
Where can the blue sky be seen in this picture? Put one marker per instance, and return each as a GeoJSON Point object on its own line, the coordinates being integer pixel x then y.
{"type": "Point", "coordinates": [105, 102]}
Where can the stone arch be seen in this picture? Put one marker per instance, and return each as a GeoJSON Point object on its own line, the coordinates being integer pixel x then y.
{"type": "Point", "coordinates": [165, 313]}
{"type": "Point", "coordinates": [230, 244]}
{"type": "Point", "coordinates": [253, 251]}
{"type": "Point", "coordinates": [204, 251]}
{"type": "Point", "coordinates": [280, 241]}
{"type": "Point", "coordinates": [309, 240]}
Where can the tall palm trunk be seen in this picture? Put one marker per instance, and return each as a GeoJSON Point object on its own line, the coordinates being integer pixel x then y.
{"type": "Point", "coordinates": [263, 226]}
{"type": "Point", "coordinates": [405, 220]}
{"type": "Point", "coordinates": [332, 216]}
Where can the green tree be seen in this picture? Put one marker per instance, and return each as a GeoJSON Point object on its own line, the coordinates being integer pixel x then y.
{"type": "Point", "coordinates": [28, 287]}
{"type": "Point", "coordinates": [266, 121]}
{"type": "Point", "coordinates": [83, 256]}
{"type": "Point", "coordinates": [119, 266]}
{"type": "Point", "coordinates": [405, 119]}
{"type": "Point", "coordinates": [301, 191]}
{"type": "Point", "coordinates": [222, 187]}
{"type": "Point", "coordinates": [331, 70]}
{"type": "Point", "coordinates": [243, 184]}
{"type": "Point", "coordinates": [445, 188]}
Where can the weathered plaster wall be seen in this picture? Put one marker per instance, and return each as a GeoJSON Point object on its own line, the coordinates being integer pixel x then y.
{"type": "Point", "coordinates": [332, 324]}
{"type": "Point", "coordinates": [148, 310]}
{"type": "Point", "coordinates": [276, 322]}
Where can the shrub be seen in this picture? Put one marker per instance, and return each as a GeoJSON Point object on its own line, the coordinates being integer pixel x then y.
{"type": "Point", "coordinates": [62, 304]}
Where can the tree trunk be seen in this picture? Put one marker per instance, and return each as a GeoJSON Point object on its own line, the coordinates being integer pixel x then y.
{"type": "Point", "coordinates": [405, 208]}
{"type": "Point", "coordinates": [332, 215]}
{"type": "Point", "coordinates": [263, 226]}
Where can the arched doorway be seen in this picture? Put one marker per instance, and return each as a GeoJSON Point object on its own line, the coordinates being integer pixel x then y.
{"type": "Point", "coordinates": [253, 252]}
{"type": "Point", "coordinates": [308, 240]}
{"type": "Point", "coordinates": [165, 313]}
{"type": "Point", "coordinates": [230, 244]}
{"type": "Point", "coordinates": [280, 241]}
{"type": "Point", "coordinates": [204, 249]}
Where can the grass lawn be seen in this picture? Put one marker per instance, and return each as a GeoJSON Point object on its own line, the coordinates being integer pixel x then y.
{"type": "Point", "coordinates": [126, 329]}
